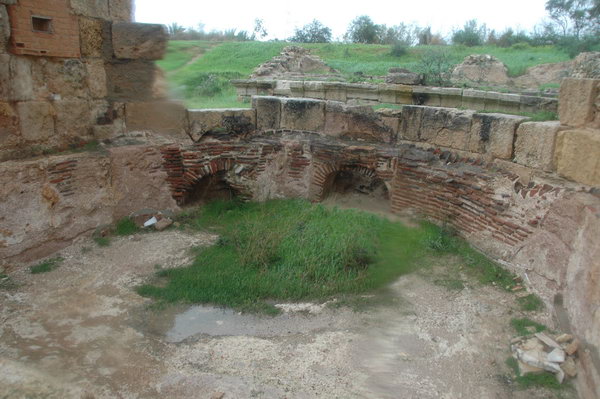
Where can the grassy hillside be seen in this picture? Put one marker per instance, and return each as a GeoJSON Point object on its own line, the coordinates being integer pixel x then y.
{"type": "Point", "coordinates": [199, 71]}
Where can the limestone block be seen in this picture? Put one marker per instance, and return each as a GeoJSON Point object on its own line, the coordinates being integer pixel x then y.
{"type": "Point", "coordinates": [429, 96]}
{"type": "Point", "coordinates": [73, 118]}
{"type": "Point", "coordinates": [335, 92]}
{"type": "Point", "coordinates": [494, 134]}
{"type": "Point", "coordinates": [129, 80]}
{"type": "Point", "coordinates": [576, 156]}
{"type": "Point", "coordinates": [95, 38]}
{"type": "Point", "coordinates": [302, 114]}
{"type": "Point", "coordinates": [391, 118]}
{"type": "Point", "coordinates": [297, 89]}
{"type": "Point", "coordinates": [265, 87]}
{"type": "Point", "coordinates": [508, 102]}
{"type": "Point", "coordinates": [361, 91]}
{"type": "Point", "coordinates": [473, 99]}
{"type": "Point", "coordinates": [535, 104]}
{"type": "Point", "coordinates": [450, 97]}
{"type": "Point", "coordinates": [410, 124]}
{"type": "Point", "coordinates": [108, 118]}
{"type": "Point", "coordinates": [20, 85]}
{"type": "Point", "coordinates": [5, 81]}
{"type": "Point", "coordinates": [96, 76]}
{"type": "Point", "coordinates": [234, 121]}
{"type": "Point", "coordinates": [120, 10]}
{"type": "Point", "coordinates": [395, 94]}
{"type": "Point", "coordinates": [534, 145]}
{"type": "Point", "coordinates": [139, 41]}
{"type": "Point", "coordinates": [157, 116]}
{"type": "Point", "coordinates": [268, 112]}
{"type": "Point", "coordinates": [91, 8]}
{"type": "Point", "coordinates": [404, 78]}
{"type": "Point", "coordinates": [36, 119]}
{"type": "Point", "coordinates": [66, 78]}
{"type": "Point", "coordinates": [314, 90]}
{"type": "Point", "coordinates": [357, 123]}
{"type": "Point", "coordinates": [8, 2]}
{"type": "Point", "coordinates": [579, 102]}
{"type": "Point", "coordinates": [4, 29]}
{"type": "Point", "coordinates": [445, 127]}
{"type": "Point", "coordinates": [9, 126]}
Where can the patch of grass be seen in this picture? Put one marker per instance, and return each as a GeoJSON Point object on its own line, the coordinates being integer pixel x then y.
{"type": "Point", "coordinates": [6, 282]}
{"type": "Point", "coordinates": [304, 251]}
{"type": "Point", "coordinates": [126, 227]}
{"type": "Point", "coordinates": [444, 241]}
{"type": "Point", "coordinates": [534, 380]}
{"type": "Point", "coordinates": [530, 303]}
{"type": "Point", "coordinates": [539, 116]}
{"type": "Point", "coordinates": [102, 241]}
{"type": "Point", "coordinates": [293, 250]}
{"type": "Point", "coordinates": [520, 326]}
{"type": "Point", "coordinates": [46, 266]}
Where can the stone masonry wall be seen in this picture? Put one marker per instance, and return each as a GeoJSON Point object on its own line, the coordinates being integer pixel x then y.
{"type": "Point", "coordinates": [360, 93]}
{"type": "Point", "coordinates": [63, 88]}
{"type": "Point", "coordinates": [526, 193]}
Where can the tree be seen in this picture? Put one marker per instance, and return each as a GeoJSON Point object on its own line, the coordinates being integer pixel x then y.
{"type": "Point", "coordinates": [314, 32]}
{"type": "Point", "coordinates": [575, 17]}
{"type": "Point", "coordinates": [399, 34]}
{"type": "Point", "coordinates": [470, 35]}
{"type": "Point", "coordinates": [175, 30]}
{"type": "Point", "coordinates": [363, 30]}
{"type": "Point", "coordinates": [259, 29]}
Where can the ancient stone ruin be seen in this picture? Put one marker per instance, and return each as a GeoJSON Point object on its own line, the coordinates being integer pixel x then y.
{"type": "Point", "coordinates": [525, 193]}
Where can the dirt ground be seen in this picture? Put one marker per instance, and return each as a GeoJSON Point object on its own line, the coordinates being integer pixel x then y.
{"type": "Point", "coordinates": [81, 331]}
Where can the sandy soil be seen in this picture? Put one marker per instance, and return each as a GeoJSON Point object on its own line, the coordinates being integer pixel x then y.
{"type": "Point", "coordinates": [81, 331]}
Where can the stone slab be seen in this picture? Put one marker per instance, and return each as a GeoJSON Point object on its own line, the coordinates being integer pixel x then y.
{"type": "Point", "coordinates": [234, 122]}
{"type": "Point", "coordinates": [130, 80]}
{"type": "Point", "coordinates": [36, 119]}
{"type": "Point", "coordinates": [268, 112]}
{"type": "Point", "coordinates": [534, 144]}
{"type": "Point", "coordinates": [579, 103]}
{"type": "Point", "coordinates": [576, 156]}
{"type": "Point", "coordinates": [494, 134]}
{"type": "Point", "coordinates": [302, 114]}
{"type": "Point", "coordinates": [165, 117]}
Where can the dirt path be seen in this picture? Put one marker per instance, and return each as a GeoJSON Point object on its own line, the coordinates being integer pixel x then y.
{"type": "Point", "coordinates": [81, 331]}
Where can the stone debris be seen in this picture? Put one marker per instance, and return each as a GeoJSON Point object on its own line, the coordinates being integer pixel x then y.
{"type": "Point", "coordinates": [292, 60]}
{"type": "Point", "coordinates": [160, 220]}
{"type": "Point", "coordinates": [544, 352]}
{"type": "Point", "coordinates": [405, 78]}
{"type": "Point", "coordinates": [163, 224]}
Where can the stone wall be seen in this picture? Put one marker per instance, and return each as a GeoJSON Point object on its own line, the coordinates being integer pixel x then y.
{"type": "Point", "coordinates": [526, 193]}
{"type": "Point", "coordinates": [73, 84]}
{"type": "Point", "coordinates": [396, 94]}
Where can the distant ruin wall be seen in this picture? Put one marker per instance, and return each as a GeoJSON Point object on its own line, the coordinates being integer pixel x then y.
{"type": "Point", "coordinates": [68, 68]}
{"type": "Point", "coordinates": [478, 100]}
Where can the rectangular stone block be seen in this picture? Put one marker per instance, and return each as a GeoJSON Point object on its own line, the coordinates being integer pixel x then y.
{"type": "Point", "coordinates": [450, 97]}
{"type": "Point", "coordinates": [302, 114]}
{"type": "Point", "coordinates": [95, 38]}
{"type": "Point", "coordinates": [139, 41]}
{"type": "Point", "coordinates": [297, 89]}
{"type": "Point", "coordinates": [508, 102]}
{"type": "Point", "coordinates": [314, 90]}
{"type": "Point", "coordinates": [410, 125]}
{"type": "Point", "coordinates": [91, 8]}
{"type": "Point", "coordinates": [576, 156]}
{"type": "Point", "coordinates": [16, 78]}
{"type": "Point", "coordinates": [282, 88]}
{"type": "Point", "coordinates": [96, 78]}
{"type": "Point", "coordinates": [362, 92]}
{"type": "Point", "coordinates": [395, 94]}
{"type": "Point", "coordinates": [428, 96]}
{"type": "Point", "coordinates": [359, 123]}
{"type": "Point", "coordinates": [234, 121]}
{"type": "Point", "coordinates": [120, 10]}
{"type": "Point", "coordinates": [36, 120]}
{"type": "Point", "coordinates": [165, 117]}
{"type": "Point", "coordinates": [9, 126]}
{"type": "Point", "coordinates": [473, 99]}
{"type": "Point", "coordinates": [130, 80]}
{"type": "Point", "coordinates": [579, 102]}
{"type": "Point", "coordinates": [73, 118]}
{"type": "Point", "coordinates": [534, 145]}
{"type": "Point", "coordinates": [268, 112]}
{"type": "Point", "coordinates": [335, 92]}
{"type": "Point", "coordinates": [494, 134]}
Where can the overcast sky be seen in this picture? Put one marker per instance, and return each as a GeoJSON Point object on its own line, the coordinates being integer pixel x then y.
{"type": "Point", "coordinates": [281, 16]}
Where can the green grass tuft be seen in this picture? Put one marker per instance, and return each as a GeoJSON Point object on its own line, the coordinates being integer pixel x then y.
{"type": "Point", "coordinates": [102, 241]}
{"type": "Point", "coordinates": [46, 266]}
{"type": "Point", "coordinates": [6, 282]}
{"type": "Point", "coordinates": [126, 227]}
{"type": "Point", "coordinates": [533, 380]}
{"type": "Point", "coordinates": [520, 326]}
{"type": "Point", "coordinates": [530, 303]}
{"type": "Point", "coordinates": [294, 250]}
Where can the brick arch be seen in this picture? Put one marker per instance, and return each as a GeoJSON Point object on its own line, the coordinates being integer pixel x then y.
{"type": "Point", "coordinates": [325, 172]}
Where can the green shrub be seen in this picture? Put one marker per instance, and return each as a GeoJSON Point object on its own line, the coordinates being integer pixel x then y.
{"type": "Point", "coordinates": [436, 67]}
{"type": "Point", "coordinates": [520, 46]}
{"type": "Point", "coordinates": [399, 49]}
{"type": "Point", "coordinates": [126, 227]}
{"type": "Point", "coordinates": [46, 266]}
{"type": "Point", "coordinates": [530, 303]}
